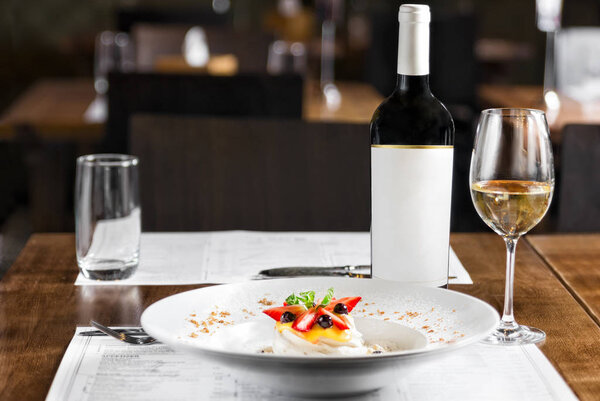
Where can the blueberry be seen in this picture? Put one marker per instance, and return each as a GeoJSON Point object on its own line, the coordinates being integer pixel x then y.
{"type": "Point", "coordinates": [287, 317]}
{"type": "Point", "coordinates": [325, 321]}
{"type": "Point", "coordinates": [341, 309]}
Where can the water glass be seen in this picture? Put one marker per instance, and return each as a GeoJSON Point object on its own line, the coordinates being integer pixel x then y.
{"type": "Point", "coordinates": [107, 216]}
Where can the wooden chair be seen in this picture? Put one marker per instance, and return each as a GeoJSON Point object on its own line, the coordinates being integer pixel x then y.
{"type": "Point", "coordinates": [239, 95]}
{"type": "Point", "coordinates": [579, 190]}
{"type": "Point", "coordinates": [257, 174]}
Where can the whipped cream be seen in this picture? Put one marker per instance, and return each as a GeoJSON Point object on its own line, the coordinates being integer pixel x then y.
{"type": "Point", "coordinates": [287, 342]}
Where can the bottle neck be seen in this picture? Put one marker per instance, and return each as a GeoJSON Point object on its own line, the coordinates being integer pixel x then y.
{"type": "Point", "coordinates": [413, 48]}
{"type": "Point", "coordinates": [413, 85]}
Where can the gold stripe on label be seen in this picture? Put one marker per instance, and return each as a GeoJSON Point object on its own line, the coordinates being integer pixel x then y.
{"type": "Point", "coordinates": [413, 146]}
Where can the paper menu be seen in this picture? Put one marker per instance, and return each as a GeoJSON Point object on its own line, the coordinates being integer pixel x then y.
{"type": "Point", "coordinates": [101, 368]}
{"type": "Point", "coordinates": [233, 256]}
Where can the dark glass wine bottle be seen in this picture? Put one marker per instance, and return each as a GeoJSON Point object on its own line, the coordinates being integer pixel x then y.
{"type": "Point", "coordinates": [412, 136]}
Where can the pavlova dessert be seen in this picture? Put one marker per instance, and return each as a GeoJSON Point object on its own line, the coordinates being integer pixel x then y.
{"type": "Point", "coordinates": [324, 327]}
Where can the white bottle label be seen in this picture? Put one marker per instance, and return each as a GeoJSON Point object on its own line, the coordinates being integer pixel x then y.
{"type": "Point", "coordinates": [411, 189]}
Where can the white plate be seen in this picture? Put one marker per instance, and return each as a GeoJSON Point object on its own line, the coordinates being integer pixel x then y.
{"type": "Point", "coordinates": [448, 320]}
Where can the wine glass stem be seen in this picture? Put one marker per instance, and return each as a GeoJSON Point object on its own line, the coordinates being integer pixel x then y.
{"type": "Point", "coordinates": [508, 320]}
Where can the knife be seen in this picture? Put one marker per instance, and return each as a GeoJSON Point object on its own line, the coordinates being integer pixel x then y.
{"type": "Point", "coordinates": [360, 271]}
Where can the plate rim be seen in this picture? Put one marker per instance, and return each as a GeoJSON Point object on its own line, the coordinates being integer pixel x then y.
{"type": "Point", "coordinates": [447, 347]}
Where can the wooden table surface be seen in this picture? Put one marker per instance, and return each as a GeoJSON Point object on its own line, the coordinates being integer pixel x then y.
{"type": "Point", "coordinates": [54, 109]}
{"type": "Point", "coordinates": [575, 259]}
{"type": "Point", "coordinates": [358, 103]}
{"type": "Point", "coordinates": [530, 96]}
{"type": "Point", "coordinates": [40, 307]}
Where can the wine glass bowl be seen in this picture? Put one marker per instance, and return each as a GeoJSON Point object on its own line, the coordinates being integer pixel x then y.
{"type": "Point", "coordinates": [512, 183]}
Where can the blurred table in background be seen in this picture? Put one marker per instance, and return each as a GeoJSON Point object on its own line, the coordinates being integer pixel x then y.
{"type": "Point", "coordinates": [54, 109]}
{"type": "Point", "coordinates": [48, 120]}
{"type": "Point", "coordinates": [358, 102]}
{"type": "Point", "coordinates": [223, 64]}
{"type": "Point", "coordinates": [530, 96]}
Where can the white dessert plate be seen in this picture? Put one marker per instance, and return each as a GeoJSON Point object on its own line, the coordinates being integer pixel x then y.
{"type": "Point", "coordinates": [225, 324]}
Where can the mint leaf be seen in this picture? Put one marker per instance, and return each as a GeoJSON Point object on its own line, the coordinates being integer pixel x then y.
{"type": "Point", "coordinates": [307, 298]}
{"type": "Point", "coordinates": [292, 300]}
{"type": "Point", "coordinates": [327, 298]}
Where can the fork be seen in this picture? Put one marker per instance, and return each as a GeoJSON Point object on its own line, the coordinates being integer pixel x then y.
{"type": "Point", "coordinates": [94, 333]}
{"type": "Point", "coordinates": [141, 340]}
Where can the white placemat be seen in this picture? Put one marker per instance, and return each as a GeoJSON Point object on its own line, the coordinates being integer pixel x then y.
{"type": "Point", "coordinates": [102, 368]}
{"type": "Point", "coordinates": [233, 256]}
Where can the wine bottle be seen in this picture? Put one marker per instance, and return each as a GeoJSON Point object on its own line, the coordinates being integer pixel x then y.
{"type": "Point", "coordinates": [412, 136]}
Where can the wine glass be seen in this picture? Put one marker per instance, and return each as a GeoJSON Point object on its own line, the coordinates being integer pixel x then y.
{"type": "Point", "coordinates": [512, 182]}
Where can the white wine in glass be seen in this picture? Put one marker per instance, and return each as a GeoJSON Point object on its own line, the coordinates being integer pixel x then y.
{"type": "Point", "coordinates": [511, 207]}
{"type": "Point", "coordinates": [512, 182]}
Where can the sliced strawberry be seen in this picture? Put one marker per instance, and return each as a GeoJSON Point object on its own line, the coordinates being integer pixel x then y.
{"type": "Point", "coordinates": [305, 321]}
{"type": "Point", "coordinates": [276, 313]}
{"type": "Point", "coordinates": [350, 303]}
{"type": "Point", "coordinates": [339, 321]}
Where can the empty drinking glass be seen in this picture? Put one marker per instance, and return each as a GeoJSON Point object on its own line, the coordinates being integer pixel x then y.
{"type": "Point", "coordinates": [107, 216]}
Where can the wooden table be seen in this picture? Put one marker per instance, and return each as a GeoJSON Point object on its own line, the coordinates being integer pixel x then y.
{"type": "Point", "coordinates": [40, 306]}
{"type": "Point", "coordinates": [575, 260]}
{"type": "Point", "coordinates": [358, 102]}
{"type": "Point", "coordinates": [530, 96]}
{"type": "Point", "coordinates": [53, 109]}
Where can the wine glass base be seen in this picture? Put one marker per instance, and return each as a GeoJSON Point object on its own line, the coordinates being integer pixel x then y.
{"type": "Point", "coordinates": [520, 335]}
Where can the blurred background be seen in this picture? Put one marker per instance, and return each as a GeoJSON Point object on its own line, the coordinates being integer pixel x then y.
{"type": "Point", "coordinates": [56, 39]}
{"type": "Point", "coordinates": [74, 75]}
